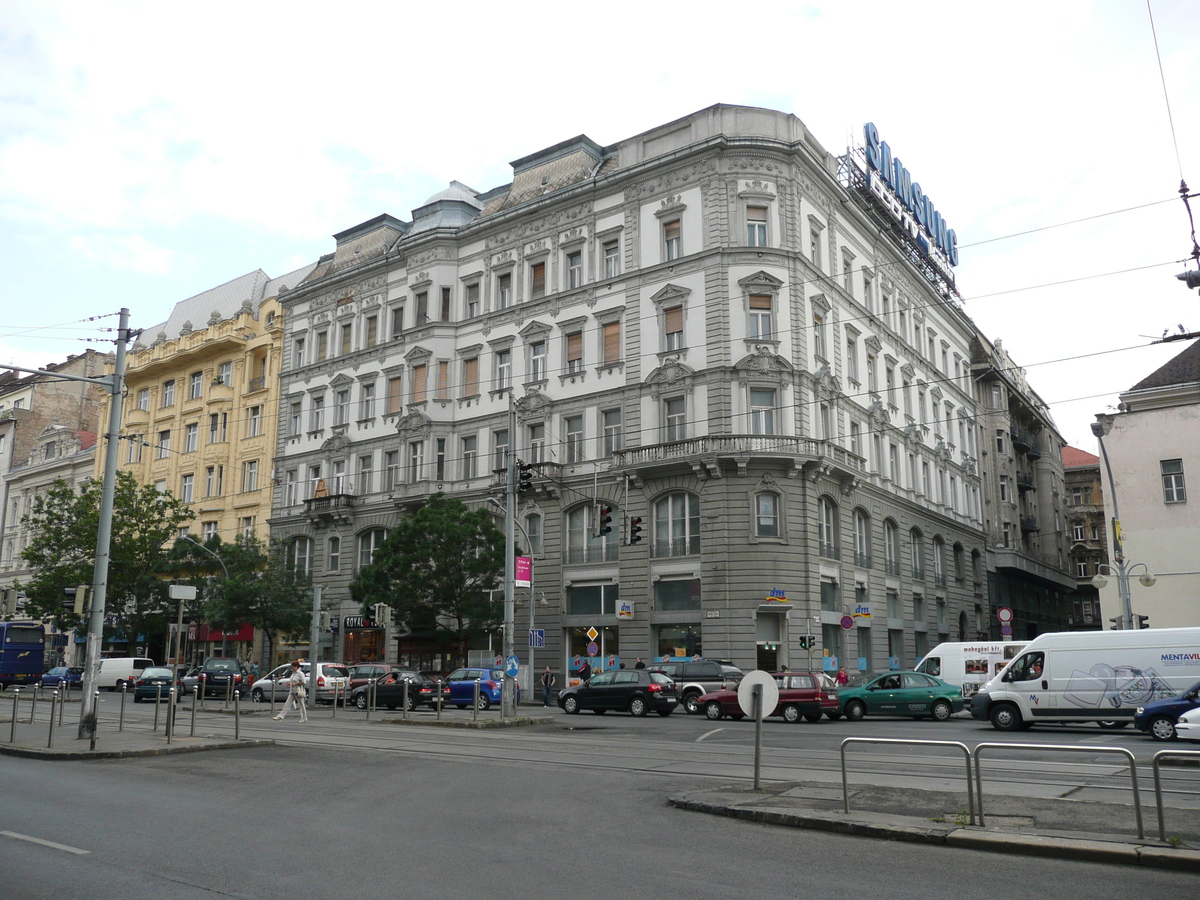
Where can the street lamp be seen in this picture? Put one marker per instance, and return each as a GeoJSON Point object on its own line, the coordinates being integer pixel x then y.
{"type": "Point", "coordinates": [529, 544]}
{"type": "Point", "coordinates": [192, 540]}
{"type": "Point", "coordinates": [1147, 579]}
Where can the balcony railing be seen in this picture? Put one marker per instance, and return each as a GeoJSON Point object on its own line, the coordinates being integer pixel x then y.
{"type": "Point", "coordinates": [891, 567]}
{"type": "Point", "coordinates": [609, 552]}
{"type": "Point", "coordinates": [862, 560]}
{"type": "Point", "coordinates": [1021, 442]}
{"type": "Point", "coordinates": [830, 551]}
{"type": "Point", "coordinates": [683, 546]}
{"type": "Point", "coordinates": [716, 445]}
{"type": "Point", "coordinates": [1028, 524]}
{"type": "Point", "coordinates": [256, 384]}
{"type": "Point", "coordinates": [939, 580]}
{"type": "Point", "coordinates": [918, 573]}
{"type": "Point", "coordinates": [331, 504]}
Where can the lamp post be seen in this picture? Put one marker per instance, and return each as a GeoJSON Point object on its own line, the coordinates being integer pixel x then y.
{"type": "Point", "coordinates": [1146, 579]}
{"type": "Point", "coordinates": [225, 568]}
{"type": "Point", "coordinates": [529, 545]}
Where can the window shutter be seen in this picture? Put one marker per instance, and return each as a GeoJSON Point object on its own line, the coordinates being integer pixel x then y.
{"type": "Point", "coordinates": [471, 377]}
{"type": "Point", "coordinates": [418, 387]}
{"type": "Point", "coordinates": [612, 342]}
{"type": "Point", "coordinates": [575, 345]}
{"type": "Point", "coordinates": [674, 319]}
{"type": "Point", "coordinates": [395, 398]}
{"type": "Point", "coordinates": [760, 301]}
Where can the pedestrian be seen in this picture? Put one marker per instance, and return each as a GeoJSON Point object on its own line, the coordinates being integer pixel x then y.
{"type": "Point", "coordinates": [842, 677]}
{"type": "Point", "coordinates": [585, 671]}
{"type": "Point", "coordinates": [547, 686]}
{"type": "Point", "coordinates": [639, 664]}
{"type": "Point", "coordinates": [297, 694]}
{"type": "Point", "coordinates": [783, 668]}
{"type": "Point", "coordinates": [253, 672]}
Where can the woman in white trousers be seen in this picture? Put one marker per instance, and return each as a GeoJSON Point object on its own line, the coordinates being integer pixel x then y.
{"type": "Point", "coordinates": [296, 694]}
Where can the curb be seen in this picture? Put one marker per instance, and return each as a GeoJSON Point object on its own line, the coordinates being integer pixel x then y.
{"type": "Point", "coordinates": [518, 722]}
{"type": "Point", "coordinates": [56, 755]}
{"type": "Point", "coordinates": [996, 842]}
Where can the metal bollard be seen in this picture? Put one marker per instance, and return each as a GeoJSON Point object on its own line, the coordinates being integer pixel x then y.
{"type": "Point", "coordinates": [367, 700]}
{"type": "Point", "coordinates": [404, 705]}
{"type": "Point", "coordinates": [33, 705]}
{"type": "Point", "coordinates": [96, 707]}
{"type": "Point", "coordinates": [228, 691]}
{"type": "Point", "coordinates": [171, 713]}
{"type": "Point", "coordinates": [202, 687]}
{"type": "Point", "coordinates": [335, 693]}
{"type": "Point", "coordinates": [12, 736]}
{"type": "Point", "coordinates": [194, 705]}
{"type": "Point", "coordinates": [439, 705]}
{"type": "Point", "coordinates": [157, 703]}
{"type": "Point", "coordinates": [374, 695]}
{"type": "Point", "coordinates": [272, 699]}
{"type": "Point", "coordinates": [121, 721]}
{"type": "Point", "coordinates": [53, 702]}
{"type": "Point", "coordinates": [62, 705]}
{"type": "Point", "coordinates": [475, 705]}
{"type": "Point", "coordinates": [237, 716]}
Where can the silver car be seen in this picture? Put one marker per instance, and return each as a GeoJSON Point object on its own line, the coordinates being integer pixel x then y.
{"type": "Point", "coordinates": [330, 677]}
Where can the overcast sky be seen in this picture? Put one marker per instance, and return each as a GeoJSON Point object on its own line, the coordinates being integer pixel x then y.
{"type": "Point", "coordinates": [150, 151]}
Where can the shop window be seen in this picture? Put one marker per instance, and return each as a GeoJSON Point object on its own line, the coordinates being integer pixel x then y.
{"type": "Point", "coordinates": [676, 595]}
{"type": "Point", "coordinates": [592, 599]}
{"type": "Point", "coordinates": [679, 642]}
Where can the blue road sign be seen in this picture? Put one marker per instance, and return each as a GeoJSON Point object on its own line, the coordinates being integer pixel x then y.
{"type": "Point", "coordinates": [513, 667]}
{"type": "Point", "coordinates": [537, 637]}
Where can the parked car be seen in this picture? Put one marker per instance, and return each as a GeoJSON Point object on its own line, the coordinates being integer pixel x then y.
{"type": "Point", "coordinates": [330, 677]}
{"type": "Point", "coordinates": [118, 671]}
{"type": "Point", "coordinates": [637, 691]}
{"type": "Point", "coordinates": [698, 676]}
{"type": "Point", "coordinates": [389, 691]}
{"type": "Point", "coordinates": [221, 675]}
{"type": "Point", "coordinates": [900, 694]}
{"type": "Point", "coordinates": [462, 686]}
{"type": "Point", "coordinates": [365, 672]}
{"type": "Point", "coordinates": [801, 694]}
{"type": "Point", "coordinates": [155, 683]}
{"type": "Point", "coordinates": [831, 705]}
{"type": "Point", "coordinates": [1187, 726]}
{"type": "Point", "coordinates": [189, 681]}
{"type": "Point", "coordinates": [59, 676]}
{"type": "Point", "coordinates": [1158, 717]}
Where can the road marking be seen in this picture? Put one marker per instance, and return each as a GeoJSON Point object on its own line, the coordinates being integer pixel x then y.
{"type": "Point", "coordinates": [708, 734]}
{"type": "Point", "coordinates": [51, 844]}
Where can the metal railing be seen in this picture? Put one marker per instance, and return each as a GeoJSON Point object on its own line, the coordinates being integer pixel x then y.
{"type": "Point", "coordinates": [956, 744]}
{"type": "Point", "coordinates": [1158, 804]}
{"type": "Point", "coordinates": [609, 551]}
{"type": "Point", "coordinates": [739, 445]}
{"type": "Point", "coordinates": [682, 546]}
{"type": "Point", "coordinates": [862, 560]}
{"type": "Point", "coordinates": [830, 551]}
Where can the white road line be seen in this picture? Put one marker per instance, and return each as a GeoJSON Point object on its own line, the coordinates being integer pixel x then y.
{"type": "Point", "coordinates": [708, 734]}
{"type": "Point", "coordinates": [51, 844]}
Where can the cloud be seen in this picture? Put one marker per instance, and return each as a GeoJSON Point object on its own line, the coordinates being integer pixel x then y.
{"type": "Point", "coordinates": [132, 252]}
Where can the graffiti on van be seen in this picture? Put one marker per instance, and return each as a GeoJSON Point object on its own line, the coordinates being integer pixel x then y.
{"type": "Point", "coordinates": [1116, 686]}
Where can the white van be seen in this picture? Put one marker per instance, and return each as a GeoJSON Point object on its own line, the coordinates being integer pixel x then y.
{"type": "Point", "coordinates": [969, 665]}
{"type": "Point", "coordinates": [115, 671]}
{"type": "Point", "coordinates": [1090, 676]}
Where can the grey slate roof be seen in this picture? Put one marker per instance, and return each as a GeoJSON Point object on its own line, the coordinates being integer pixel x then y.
{"type": "Point", "coordinates": [1183, 369]}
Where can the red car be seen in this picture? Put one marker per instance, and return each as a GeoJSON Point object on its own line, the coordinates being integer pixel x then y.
{"type": "Point", "coordinates": [800, 694]}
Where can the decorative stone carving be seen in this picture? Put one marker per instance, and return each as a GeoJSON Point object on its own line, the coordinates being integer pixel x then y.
{"type": "Point", "coordinates": [413, 425]}
{"type": "Point", "coordinates": [533, 407]}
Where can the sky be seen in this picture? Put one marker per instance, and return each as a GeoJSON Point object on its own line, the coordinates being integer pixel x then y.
{"type": "Point", "coordinates": [148, 153]}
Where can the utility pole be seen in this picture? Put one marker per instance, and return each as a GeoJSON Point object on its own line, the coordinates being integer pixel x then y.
{"type": "Point", "coordinates": [508, 704]}
{"type": "Point", "coordinates": [314, 643]}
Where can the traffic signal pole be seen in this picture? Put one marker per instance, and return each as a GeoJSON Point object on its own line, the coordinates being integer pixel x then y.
{"type": "Point", "coordinates": [508, 694]}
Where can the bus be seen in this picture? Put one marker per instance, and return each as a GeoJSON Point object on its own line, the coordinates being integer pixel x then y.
{"type": "Point", "coordinates": [22, 653]}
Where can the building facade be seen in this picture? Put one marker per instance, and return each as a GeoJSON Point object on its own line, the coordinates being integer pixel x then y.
{"type": "Point", "coordinates": [713, 328]}
{"type": "Point", "coordinates": [1152, 444]}
{"type": "Point", "coordinates": [1024, 500]}
{"type": "Point", "coordinates": [1087, 535]}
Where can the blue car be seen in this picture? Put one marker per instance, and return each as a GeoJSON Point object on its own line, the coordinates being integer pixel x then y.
{"type": "Point", "coordinates": [1158, 716]}
{"type": "Point", "coordinates": [70, 676]}
{"type": "Point", "coordinates": [462, 686]}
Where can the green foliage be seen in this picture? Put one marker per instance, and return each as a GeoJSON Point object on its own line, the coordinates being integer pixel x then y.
{"type": "Point", "coordinates": [435, 568]}
{"type": "Point", "coordinates": [62, 552]}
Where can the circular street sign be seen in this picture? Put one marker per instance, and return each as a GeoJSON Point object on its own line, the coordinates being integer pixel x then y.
{"type": "Point", "coordinates": [593, 649]}
{"type": "Point", "coordinates": [1004, 614]}
{"type": "Point", "coordinates": [1006, 629]}
{"type": "Point", "coordinates": [513, 667]}
{"type": "Point", "coordinates": [847, 622]}
{"type": "Point", "coordinates": [770, 692]}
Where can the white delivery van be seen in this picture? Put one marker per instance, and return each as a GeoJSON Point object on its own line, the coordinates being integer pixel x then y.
{"type": "Point", "coordinates": [116, 671]}
{"type": "Point", "coordinates": [1090, 676]}
{"type": "Point", "coordinates": [969, 665]}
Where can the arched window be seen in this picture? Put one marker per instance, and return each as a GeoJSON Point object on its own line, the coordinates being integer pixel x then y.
{"type": "Point", "coordinates": [916, 546]}
{"type": "Point", "coordinates": [962, 625]}
{"type": "Point", "coordinates": [862, 539]}
{"type": "Point", "coordinates": [977, 569]}
{"type": "Point", "coordinates": [677, 525]}
{"type": "Point", "coordinates": [891, 547]}
{"type": "Point", "coordinates": [939, 562]}
{"type": "Point", "coordinates": [766, 514]}
{"type": "Point", "coordinates": [827, 528]}
{"type": "Point", "coordinates": [960, 572]}
{"type": "Point", "coordinates": [334, 547]}
{"type": "Point", "coordinates": [368, 543]}
{"type": "Point", "coordinates": [583, 544]}
{"type": "Point", "coordinates": [299, 555]}
{"type": "Point", "coordinates": [533, 530]}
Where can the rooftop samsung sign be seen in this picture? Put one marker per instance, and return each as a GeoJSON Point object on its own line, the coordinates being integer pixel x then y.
{"type": "Point", "coordinates": [904, 199]}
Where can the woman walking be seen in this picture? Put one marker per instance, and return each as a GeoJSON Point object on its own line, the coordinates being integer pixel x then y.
{"type": "Point", "coordinates": [297, 694]}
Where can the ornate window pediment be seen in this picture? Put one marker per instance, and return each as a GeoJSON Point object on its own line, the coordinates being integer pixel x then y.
{"type": "Point", "coordinates": [760, 283]}
{"type": "Point", "coordinates": [535, 330]}
{"type": "Point", "coordinates": [534, 406]}
{"type": "Point", "coordinates": [670, 295]}
{"type": "Point", "coordinates": [671, 375]}
{"type": "Point", "coordinates": [417, 355]}
{"type": "Point", "coordinates": [414, 424]}
{"type": "Point", "coordinates": [874, 344]}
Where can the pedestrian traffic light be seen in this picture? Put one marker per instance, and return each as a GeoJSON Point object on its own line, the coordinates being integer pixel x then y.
{"type": "Point", "coordinates": [1143, 621]}
{"type": "Point", "coordinates": [1117, 623]}
{"type": "Point", "coordinates": [804, 642]}
{"type": "Point", "coordinates": [524, 476]}
{"type": "Point", "coordinates": [635, 529]}
{"type": "Point", "coordinates": [81, 592]}
{"type": "Point", "coordinates": [603, 519]}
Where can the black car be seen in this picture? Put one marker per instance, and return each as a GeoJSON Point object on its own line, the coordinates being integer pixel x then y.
{"type": "Point", "coordinates": [155, 684]}
{"type": "Point", "coordinates": [638, 691]}
{"type": "Point", "coordinates": [389, 691]}
{"type": "Point", "coordinates": [217, 672]}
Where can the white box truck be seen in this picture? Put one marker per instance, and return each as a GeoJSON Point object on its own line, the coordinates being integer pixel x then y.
{"type": "Point", "coordinates": [1089, 676]}
{"type": "Point", "coordinates": [969, 665]}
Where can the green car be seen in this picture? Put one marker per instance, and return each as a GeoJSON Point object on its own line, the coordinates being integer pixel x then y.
{"type": "Point", "coordinates": [901, 694]}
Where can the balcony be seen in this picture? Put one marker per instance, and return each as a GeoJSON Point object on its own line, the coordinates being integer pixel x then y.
{"type": "Point", "coordinates": [608, 552]}
{"type": "Point", "coordinates": [939, 580]}
{"type": "Point", "coordinates": [862, 560]}
{"type": "Point", "coordinates": [829, 551]}
{"type": "Point", "coordinates": [1021, 442]}
{"type": "Point", "coordinates": [256, 384]}
{"type": "Point", "coordinates": [1033, 454]}
{"type": "Point", "coordinates": [1025, 483]}
{"type": "Point", "coordinates": [891, 567]}
{"type": "Point", "coordinates": [334, 508]}
{"type": "Point", "coordinates": [918, 574]}
{"type": "Point", "coordinates": [682, 546]}
{"type": "Point", "coordinates": [1029, 524]}
{"type": "Point", "coordinates": [709, 450]}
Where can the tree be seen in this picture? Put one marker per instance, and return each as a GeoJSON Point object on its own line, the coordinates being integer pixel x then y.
{"type": "Point", "coordinates": [436, 567]}
{"type": "Point", "coordinates": [62, 554]}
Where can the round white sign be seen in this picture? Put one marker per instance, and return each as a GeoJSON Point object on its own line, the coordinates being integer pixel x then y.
{"type": "Point", "coordinates": [770, 692]}
{"type": "Point", "coordinates": [1004, 614]}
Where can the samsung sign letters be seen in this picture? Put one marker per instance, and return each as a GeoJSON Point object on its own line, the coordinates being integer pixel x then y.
{"type": "Point", "coordinates": [903, 197]}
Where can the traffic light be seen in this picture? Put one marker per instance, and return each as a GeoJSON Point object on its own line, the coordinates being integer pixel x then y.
{"type": "Point", "coordinates": [1143, 621]}
{"type": "Point", "coordinates": [1191, 279]}
{"type": "Point", "coordinates": [8, 601]}
{"type": "Point", "coordinates": [603, 519]}
{"type": "Point", "coordinates": [804, 642]}
{"type": "Point", "coordinates": [524, 476]}
{"type": "Point", "coordinates": [322, 621]}
{"type": "Point", "coordinates": [1117, 623]}
{"type": "Point", "coordinates": [81, 592]}
{"type": "Point", "coordinates": [635, 529]}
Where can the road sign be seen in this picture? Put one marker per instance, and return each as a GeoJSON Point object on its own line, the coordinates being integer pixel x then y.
{"type": "Point", "coordinates": [847, 622]}
{"type": "Point", "coordinates": [514, 666]}
{"type": "Point", "coordinates": [770, 692]}
{"type": "Point", "coordinates": [1006, 630]}
{"type": "Point", "coordinates": [537, 638]}
{"type": "Point", "coordinates": [1004, 614]}
{"type": "Point", "coordinates": [592, 634]}
{"type": "Point", "coordinates": [499, 661]}
{"type": "Point", "coordinates": [593, 649]}
{"type": "Point", "coordinates": [612, 662]}
{"type": "Point", "coordinates": [577, 663]}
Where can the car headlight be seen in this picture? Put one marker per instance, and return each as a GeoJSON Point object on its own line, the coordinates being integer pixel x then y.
{"type": "Point", "coordinates": [1140, 710]}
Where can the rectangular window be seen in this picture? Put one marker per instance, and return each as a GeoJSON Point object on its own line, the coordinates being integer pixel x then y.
{"type": "Point", "coordinates": [322, 345]}
{"type": "Point", "coordinates": [503, 369]}
{"type": "Point", "coordinates": [422, 309]}
{"type": "Point", "coordinates": [443, 380]}
{"type": "Point", "coordinates": [254, 422]}
{"type": "Point", "coordinates": [247, 523]}
{"type": "Point", "coordinates": [395, 396]}
{"type": "Point", "coordinates": [814, 245]}
{"type": "Point", "coordinates": [210, 481]}
{"type": "Point", "coordinates": [195, 385]}
{"type": "Point", "coordinates": [347, 340]}
{"type": "Point", "coordinates": [135, 452]}
{"type": "Point", "coordinates": [762, 411]}
{"type": "Point", "coordinates": [499, 450]}
{"type": "Point", "coordinates": [872, 374]}
{"type": "Point", "coordinates": [573, 425]}
{"type": "Point", "coordinates": [168, 393]}
{"type": "Point", "coordinates": [341, 406]}
{"type": "Point", "coordinates": [1172, 479]}
{"type": "Point", "coordinates": [210, 530]}
{"type": "Point", "coordinates": [756, 226]}
{"type": "Point", "coordinates": [847, 276]}
{"type": "Point", "coordinates": [766, 515]}
{"type": "Point", "coordinates": [537, 443]}
{"type": "Point", "coordinates": [397, 321]}
{"type": "Point", "coordinates": [852, 359]}
{"type": "Point", "coordinates": [890, 378]}
{"type": "Point", "coordinates": [504, 291]}
{"type": "Point", "coordinates": [1077, 531]}
{"type": "Point", "coordinates": [611, 422]}
{"type": "Point", "coordinates": [824, 422]}
{"type": "Point", "coordinates": [471, 377]}
{"type": "Point", "coordinates": [164, 444]}
{"type": "Point", "coordinates": [250, 475]}
{"type": "Point", "coordinates": [574, 269]}
{"type": "Point", "coordinates": [298, 353]}
{"type": "Point", "coordinates": [419, 374]}
{"type": "Point", "coordinates": [537, 361]}
{"type": "Point", "coordinates": [672, 239]}
{"type": "Point", "coordinates": [612, 259]}
{"type": "Point", "coordinates": [294, 418]}
{"type": "Point", "coordinates": [445, 316]}
{"type": "Point", "coordinates": [187, 485]}
{"type": "Point", "coordinates": [470, 455]}
{"type": "Point", "coordinates": [1000, 440]}
{"type": "Point", "coordinates": [819, 345]}
{"type": "Point", "coordinates": [143, 399]}
{"type": "Point", "coordinates": [868, 292]}
{"type": "Point", "coordinates": [337, 477]}
{"type": "Point", "coordinates": [317, 414]}
{"type": "Point", "coordinates": [894, 463]}
{"type": "Point", "coordinates": [575, 352]}
{"type": "Point", "coordinates": [1004, 491]}
{"type": "Point", "coordinates": [675, 419]}
{"type": "Point", "coordinates": [366, 403]}
{"type": "Point", "coordinates": [191, 437]}
{"type": "Point", "coordinates": [366, 474]}
{"type": "Point", "coordinates": [676, 595]}
{"type": "Point", "coordinates": [673, 327]}
{"type": "Point", "coordinates": [537, 281]}
{"type": "Point", "coordinates": [856, 444]}
{"type": "Point", "coordinates": [372, 331]}
{"type": "Point", "coordinates": [761, 325]}
{"type": "Point", "coordinates": [612, 342]}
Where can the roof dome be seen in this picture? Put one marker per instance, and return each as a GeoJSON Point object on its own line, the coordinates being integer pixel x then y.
{"type": "Point", "coordinates": [456, 191]}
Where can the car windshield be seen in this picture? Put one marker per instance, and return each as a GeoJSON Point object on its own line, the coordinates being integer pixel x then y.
{"type": "Point", "coordinates": [660, 678]}
{"type": "Point", "coordinates": [156, 673]}
{"type": "Point", "coordinates": [337, 672]}
{"type": "Point", "coordinates": [860, 680]}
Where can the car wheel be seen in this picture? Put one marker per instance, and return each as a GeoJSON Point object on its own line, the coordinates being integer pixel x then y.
{"type": "Point", "coordinates": [571, 705]}
{"type": "Point", "coordinates": [1005, 717]}
{"type": "Point", "coordinates": [691, 702]}
{"type": "Point", "coordinates": [256, 696]}
{"type": "Point", "coordinates": [855, 710]}
{"type": "Point", "coordinates": [412, 703]}
{"type": "Point", "coordinates": [712, 709]}
{"type": "Point", "coordinates": [812, 717]}
{"type": "Point", "coordinates": [1162, 728]}
{"type": "Point", "coordinates": [485, 702]}
{"type": "Point", "coordinates": [941, 710]}
{"type": "Point", "coordinates": [360, 700]}
{"type": "Point", "coordinates": [1113, 725]}
{"type": "Point", "coordinates": [791, 714]}
{"type": "Point", "coordinates": [637, 707]}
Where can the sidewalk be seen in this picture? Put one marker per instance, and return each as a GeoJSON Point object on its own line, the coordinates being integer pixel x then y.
{"type": "Point", "coordinates": [1034, 826]}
